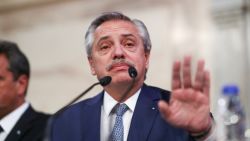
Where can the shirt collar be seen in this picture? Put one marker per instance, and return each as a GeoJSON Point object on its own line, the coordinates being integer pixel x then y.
{"type": "Point", "coordinates": [11, 119]}
{"type": "Point", "coordinates": [109, 102]}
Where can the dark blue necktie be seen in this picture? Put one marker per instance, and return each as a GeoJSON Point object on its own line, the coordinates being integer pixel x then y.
{"type": "Point", "coordinates": [117, 133]}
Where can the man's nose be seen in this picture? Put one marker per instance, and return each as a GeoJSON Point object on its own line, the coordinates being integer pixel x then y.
{"type": "Point", "coordinates": [118, 52]}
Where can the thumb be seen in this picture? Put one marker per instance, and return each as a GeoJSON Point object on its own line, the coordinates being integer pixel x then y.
{"type": "Point", "coordinates": [164, 109]}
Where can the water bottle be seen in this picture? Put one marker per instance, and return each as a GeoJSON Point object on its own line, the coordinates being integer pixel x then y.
{"type": "Point", "coordinates": [231, 116]}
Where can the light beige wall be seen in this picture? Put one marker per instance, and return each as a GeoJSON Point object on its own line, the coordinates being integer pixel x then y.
{"type": "Point", "coordinates": [52, 36]}
{"type": "Point", "coordinates": [51, 33]}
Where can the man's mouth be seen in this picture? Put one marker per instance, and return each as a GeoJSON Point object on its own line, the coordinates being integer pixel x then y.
{"type": "Point", "coordinates": [119, 64]}
{"type": "Point", "coordinates": [119, 67]}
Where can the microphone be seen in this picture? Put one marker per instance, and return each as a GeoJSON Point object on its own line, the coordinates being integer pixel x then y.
{"type": "Point", "coordinates": [103, 81]}
{"type": "Point", "coordinates": [132, 73]}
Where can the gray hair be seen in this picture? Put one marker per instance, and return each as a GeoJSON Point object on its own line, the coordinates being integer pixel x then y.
{"type": "Point", "coordinates": [108, 16]}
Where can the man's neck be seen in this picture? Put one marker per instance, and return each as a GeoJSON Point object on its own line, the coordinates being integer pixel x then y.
{"type": "Point", "coordinates": [6, 111]}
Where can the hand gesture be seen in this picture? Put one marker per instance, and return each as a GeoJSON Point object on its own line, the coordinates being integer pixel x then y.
{"type": "Point", "coordinates": [188, 107]}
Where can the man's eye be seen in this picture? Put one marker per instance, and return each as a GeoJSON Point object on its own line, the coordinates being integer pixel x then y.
{"type": "Point", "coordinates": [104, 47]}
{"type": "Point", "coordinates": [129, 44]}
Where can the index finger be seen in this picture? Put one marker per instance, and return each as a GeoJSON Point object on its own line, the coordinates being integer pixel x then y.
{"type": "Point", "coordinates": [176, 78]}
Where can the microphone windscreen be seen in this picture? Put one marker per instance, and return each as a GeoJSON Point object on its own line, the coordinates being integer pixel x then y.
{"type": "Point", "coordinates": [105, 80]}
{"type": "Point", "coordinates": [132, 72]}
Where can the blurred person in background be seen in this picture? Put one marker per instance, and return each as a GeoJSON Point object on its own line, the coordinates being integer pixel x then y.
{"type": "Point", "coordinates": [18, 120]}
{"type": "Point", "coordinates": [114, 44]}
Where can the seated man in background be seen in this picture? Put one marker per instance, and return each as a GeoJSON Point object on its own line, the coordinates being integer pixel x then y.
{"type": "Point", "coordinates": [128, 109]}
{"type": "Point", "coordinates": [18, 120]}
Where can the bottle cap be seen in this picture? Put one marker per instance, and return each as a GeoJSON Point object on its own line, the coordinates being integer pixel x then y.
{"type": "Point", "coordinates": [230, 90]}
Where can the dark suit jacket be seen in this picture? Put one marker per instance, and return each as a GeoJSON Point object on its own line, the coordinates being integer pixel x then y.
{"type": "Point", "coordinates": [81, 122]}
{"type": "Point", "coordinates": [30, 127]}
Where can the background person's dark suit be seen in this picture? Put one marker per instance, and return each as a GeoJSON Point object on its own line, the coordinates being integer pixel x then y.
{"type": "Point", "coordinates": [81, 122]}
{"type": "Point", "coordinates": [30, 127]}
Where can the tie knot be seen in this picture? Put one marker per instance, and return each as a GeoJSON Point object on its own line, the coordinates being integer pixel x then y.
{"type": "Point", "coordinates": [121, 109]}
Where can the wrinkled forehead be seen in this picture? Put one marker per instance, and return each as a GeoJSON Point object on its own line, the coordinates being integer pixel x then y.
{"type": "Point", "coordinates": [116, 27]}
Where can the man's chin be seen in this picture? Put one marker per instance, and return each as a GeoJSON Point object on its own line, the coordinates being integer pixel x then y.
{"type": "Point", "coordinates": [121, 79]}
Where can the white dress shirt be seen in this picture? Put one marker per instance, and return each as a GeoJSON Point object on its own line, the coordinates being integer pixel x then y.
{"type": "Point", "coordinates": [9, 121]}
{"type": "Point", "coordinates": [108, 118]}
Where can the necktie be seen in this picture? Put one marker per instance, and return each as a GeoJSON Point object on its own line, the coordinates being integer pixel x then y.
{"type": "Point", "coordinates": [1, 129]}
{"type": "Point", "coordinates": [117, 133]}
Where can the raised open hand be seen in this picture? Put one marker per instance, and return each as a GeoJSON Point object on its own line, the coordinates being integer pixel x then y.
{"type": "Point", "coordinates": [189, 106]}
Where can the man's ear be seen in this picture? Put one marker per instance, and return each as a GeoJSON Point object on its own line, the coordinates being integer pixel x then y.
{"type": "Point", "coordinates": [22, 85]}
{"type": "Point", "coordinates": [147, 55]}
{"type": "Point", "coordinates": [92, 65]}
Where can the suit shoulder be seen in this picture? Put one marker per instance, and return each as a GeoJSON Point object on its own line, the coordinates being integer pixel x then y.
{"type": "Point", "coordinates": [80, 106]}
{"type": "Point", "coordinates": [89, 101]}
{"type": "Point", "coordinates": [36, 114]}
{"type": "Point", "coordinates": [31, 124]}
{"type": "Point", "coordinates": [163, 94]}
{"type": "Point", "coordinates": [158, 89]}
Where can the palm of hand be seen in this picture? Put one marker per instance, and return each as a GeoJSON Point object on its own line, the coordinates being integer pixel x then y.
{"type": "Point", "coordinates": [188, 107]}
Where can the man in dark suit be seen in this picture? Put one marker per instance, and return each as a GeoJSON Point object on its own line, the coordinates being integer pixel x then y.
{"type": "Point", "coordinates": [128, 109]}
{"type": "Point", "coordinates": [19, 121]}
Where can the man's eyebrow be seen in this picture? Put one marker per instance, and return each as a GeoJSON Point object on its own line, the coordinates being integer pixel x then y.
{"type": "Point", "coordinates": [128, 35]}
{"type": "Point", "coordinates": [102, 38]}
{"type": "Point", "coordinates": [106, 37]}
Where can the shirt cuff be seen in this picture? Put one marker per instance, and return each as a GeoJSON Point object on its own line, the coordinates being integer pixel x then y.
{"type": "Point", "coordinates": [209, 135]}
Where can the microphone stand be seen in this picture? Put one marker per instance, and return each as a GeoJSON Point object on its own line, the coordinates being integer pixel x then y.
{"type": "Point", "coordinates": [75, 99]}
{"type": "Point", "coordinates": [128, 90]}
{"type": "Point", "coordinates": [103, 81]}
{"type": "Point", "coordinates": [132, 73]}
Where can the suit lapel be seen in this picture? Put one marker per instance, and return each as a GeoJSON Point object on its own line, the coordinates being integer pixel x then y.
{"type": "Point", "coordinates": [144, 115]}
{"type": "Point", "coordinates": [19, 129]}
{"type": "Point", "coordinates": [93, 121]}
